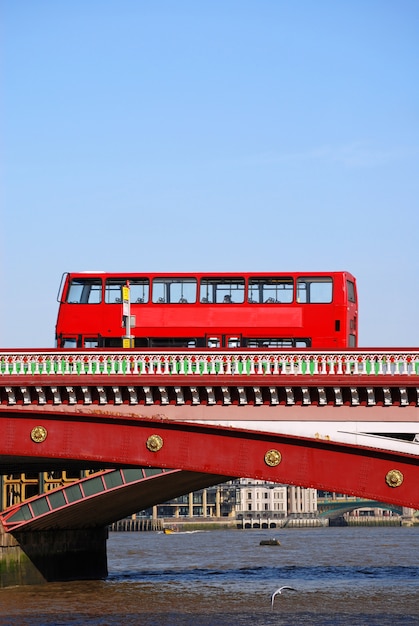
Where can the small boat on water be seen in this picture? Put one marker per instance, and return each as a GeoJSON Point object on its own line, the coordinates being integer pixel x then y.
{"type": "Point", "coordinates": [269, 542]}
{"type": "Point", "coordinates": [168, 531]}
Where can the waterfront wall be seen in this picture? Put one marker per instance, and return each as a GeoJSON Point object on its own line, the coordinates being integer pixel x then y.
{"type": "Point", "coordinates": [222, 523]}
{"type": "Point", "coordinates": [200, 523]}
{"type": "Point", "coordinates": [137, 525]}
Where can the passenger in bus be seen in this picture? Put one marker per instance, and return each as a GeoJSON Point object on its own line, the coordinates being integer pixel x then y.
{"type": "Point", "coordinates": [204, 300]}
{"type": "Point", "coordinates": [183, 300]}
{"type": "Point", "coordinates": [161, 301]}
{"type": "Point", "coordinates": [227, 299]}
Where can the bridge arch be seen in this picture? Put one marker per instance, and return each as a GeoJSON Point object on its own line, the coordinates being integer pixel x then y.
{"type": "Point", "coordinates": [36, 440]}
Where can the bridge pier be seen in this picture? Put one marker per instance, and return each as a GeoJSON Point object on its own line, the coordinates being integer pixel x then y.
{"type": "Point", "coordinates": [35, 557]}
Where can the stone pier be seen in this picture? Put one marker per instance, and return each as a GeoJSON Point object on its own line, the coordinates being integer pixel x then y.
{"type": "Point", "coordinates": [35, 557]}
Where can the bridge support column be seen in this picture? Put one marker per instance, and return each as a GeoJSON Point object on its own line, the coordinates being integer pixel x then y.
{"type": "Point", "coordinates": [35, 557]}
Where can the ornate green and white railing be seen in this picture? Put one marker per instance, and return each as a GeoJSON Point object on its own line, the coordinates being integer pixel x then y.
{"type": "Point", "coordinates": [371, 362]}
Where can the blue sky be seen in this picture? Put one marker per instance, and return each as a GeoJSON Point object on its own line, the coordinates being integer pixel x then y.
{"type": "Point", "coordinates": [275, 135]}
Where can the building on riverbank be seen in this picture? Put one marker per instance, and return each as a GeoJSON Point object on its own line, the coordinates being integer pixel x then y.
{"type": "Point", "coordinates": [241, 499]}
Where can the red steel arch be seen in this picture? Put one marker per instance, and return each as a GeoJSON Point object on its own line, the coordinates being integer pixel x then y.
{"type": "Point", "coordinates": [34, 438]}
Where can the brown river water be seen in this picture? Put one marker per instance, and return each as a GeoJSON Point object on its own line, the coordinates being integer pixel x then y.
{"type": "Point", "coordinates": [351, 576]}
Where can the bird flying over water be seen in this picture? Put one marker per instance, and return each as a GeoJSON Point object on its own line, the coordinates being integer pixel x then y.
{"type": "Point", "coordinates": [280, 591]}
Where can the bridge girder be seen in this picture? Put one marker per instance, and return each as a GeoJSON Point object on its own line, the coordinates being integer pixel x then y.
{"type": "Point", "coordinates": [110, 440]}
{"type": "Point", "coordinates": [379, 412]}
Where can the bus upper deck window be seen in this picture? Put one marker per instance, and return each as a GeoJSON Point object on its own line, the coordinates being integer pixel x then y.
{"type": "Point", "coordinates": [174, 290]}
{"type": "Point", "coordinates": [139, 290]}
{"type": "Point", "coordinates": [85, 291]}
{"type": "Point", "coordinates": [270, 290]}
{"type": "Point", "coordinates": [222, 290]}
{"type": "Point", "coordinates": [315, 289]}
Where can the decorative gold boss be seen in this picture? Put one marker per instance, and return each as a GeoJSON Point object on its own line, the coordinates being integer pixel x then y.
{"type": "Point", "coordinates": [273, 458]}
{"type": "Point", "coordinates": [154, 443]}
{"type": "Point", "coordinates": [394, 478]}
{"type": "Point", "coordinates": [39, 434]}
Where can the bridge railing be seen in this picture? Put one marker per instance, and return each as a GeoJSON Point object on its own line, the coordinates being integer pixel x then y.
{"type": "Point", "coordinates": [209, 362]}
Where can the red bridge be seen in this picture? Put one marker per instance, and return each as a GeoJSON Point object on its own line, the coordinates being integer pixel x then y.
{"type": "Point", "coordinates": [338, 421]}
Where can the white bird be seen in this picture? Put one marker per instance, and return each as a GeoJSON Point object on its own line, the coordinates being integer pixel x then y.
{"type": "Point", "coordinates": [280, 591]}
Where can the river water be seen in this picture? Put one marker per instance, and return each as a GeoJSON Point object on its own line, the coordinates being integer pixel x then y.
{"type": "Point", "coordinates": [350, 576]}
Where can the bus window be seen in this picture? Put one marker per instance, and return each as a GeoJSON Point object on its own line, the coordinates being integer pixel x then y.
{"type": "Point", "coordinates": [222, 290]}
{"type": "Point", "coordinates": [174, 290]}
{"type": "Point", "coordinates": [113, 291]}
{"type": "Point", "coordinates": [91, 342]}
{"type": "Point", "coordinates": [314, 289]}
{"type": "Point", "coordinates": [351, 290]}
{"type": "Point", "coordinates": [302, 343]}
{"type": "Point", "coordinates": [69, 342]}
{"type": "Point", "coordinates": [270, 290]}
{"type": "Point", "coordinates": [85, 291]}
{"type": "Point", "coordinates": [139, 290]}
{"type": "Point", "coordinates": [275, 343]}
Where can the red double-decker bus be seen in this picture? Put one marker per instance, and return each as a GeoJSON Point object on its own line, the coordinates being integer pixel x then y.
{"type": "Point", "coordinates": [253, 310]}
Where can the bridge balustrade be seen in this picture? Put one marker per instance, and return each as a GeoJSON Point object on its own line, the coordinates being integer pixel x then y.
{"type": "Point", "coordinates": [197, 363]}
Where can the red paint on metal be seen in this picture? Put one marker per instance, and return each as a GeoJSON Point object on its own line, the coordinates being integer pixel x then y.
{"type": "Point", "coordinates": [120, 442]}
